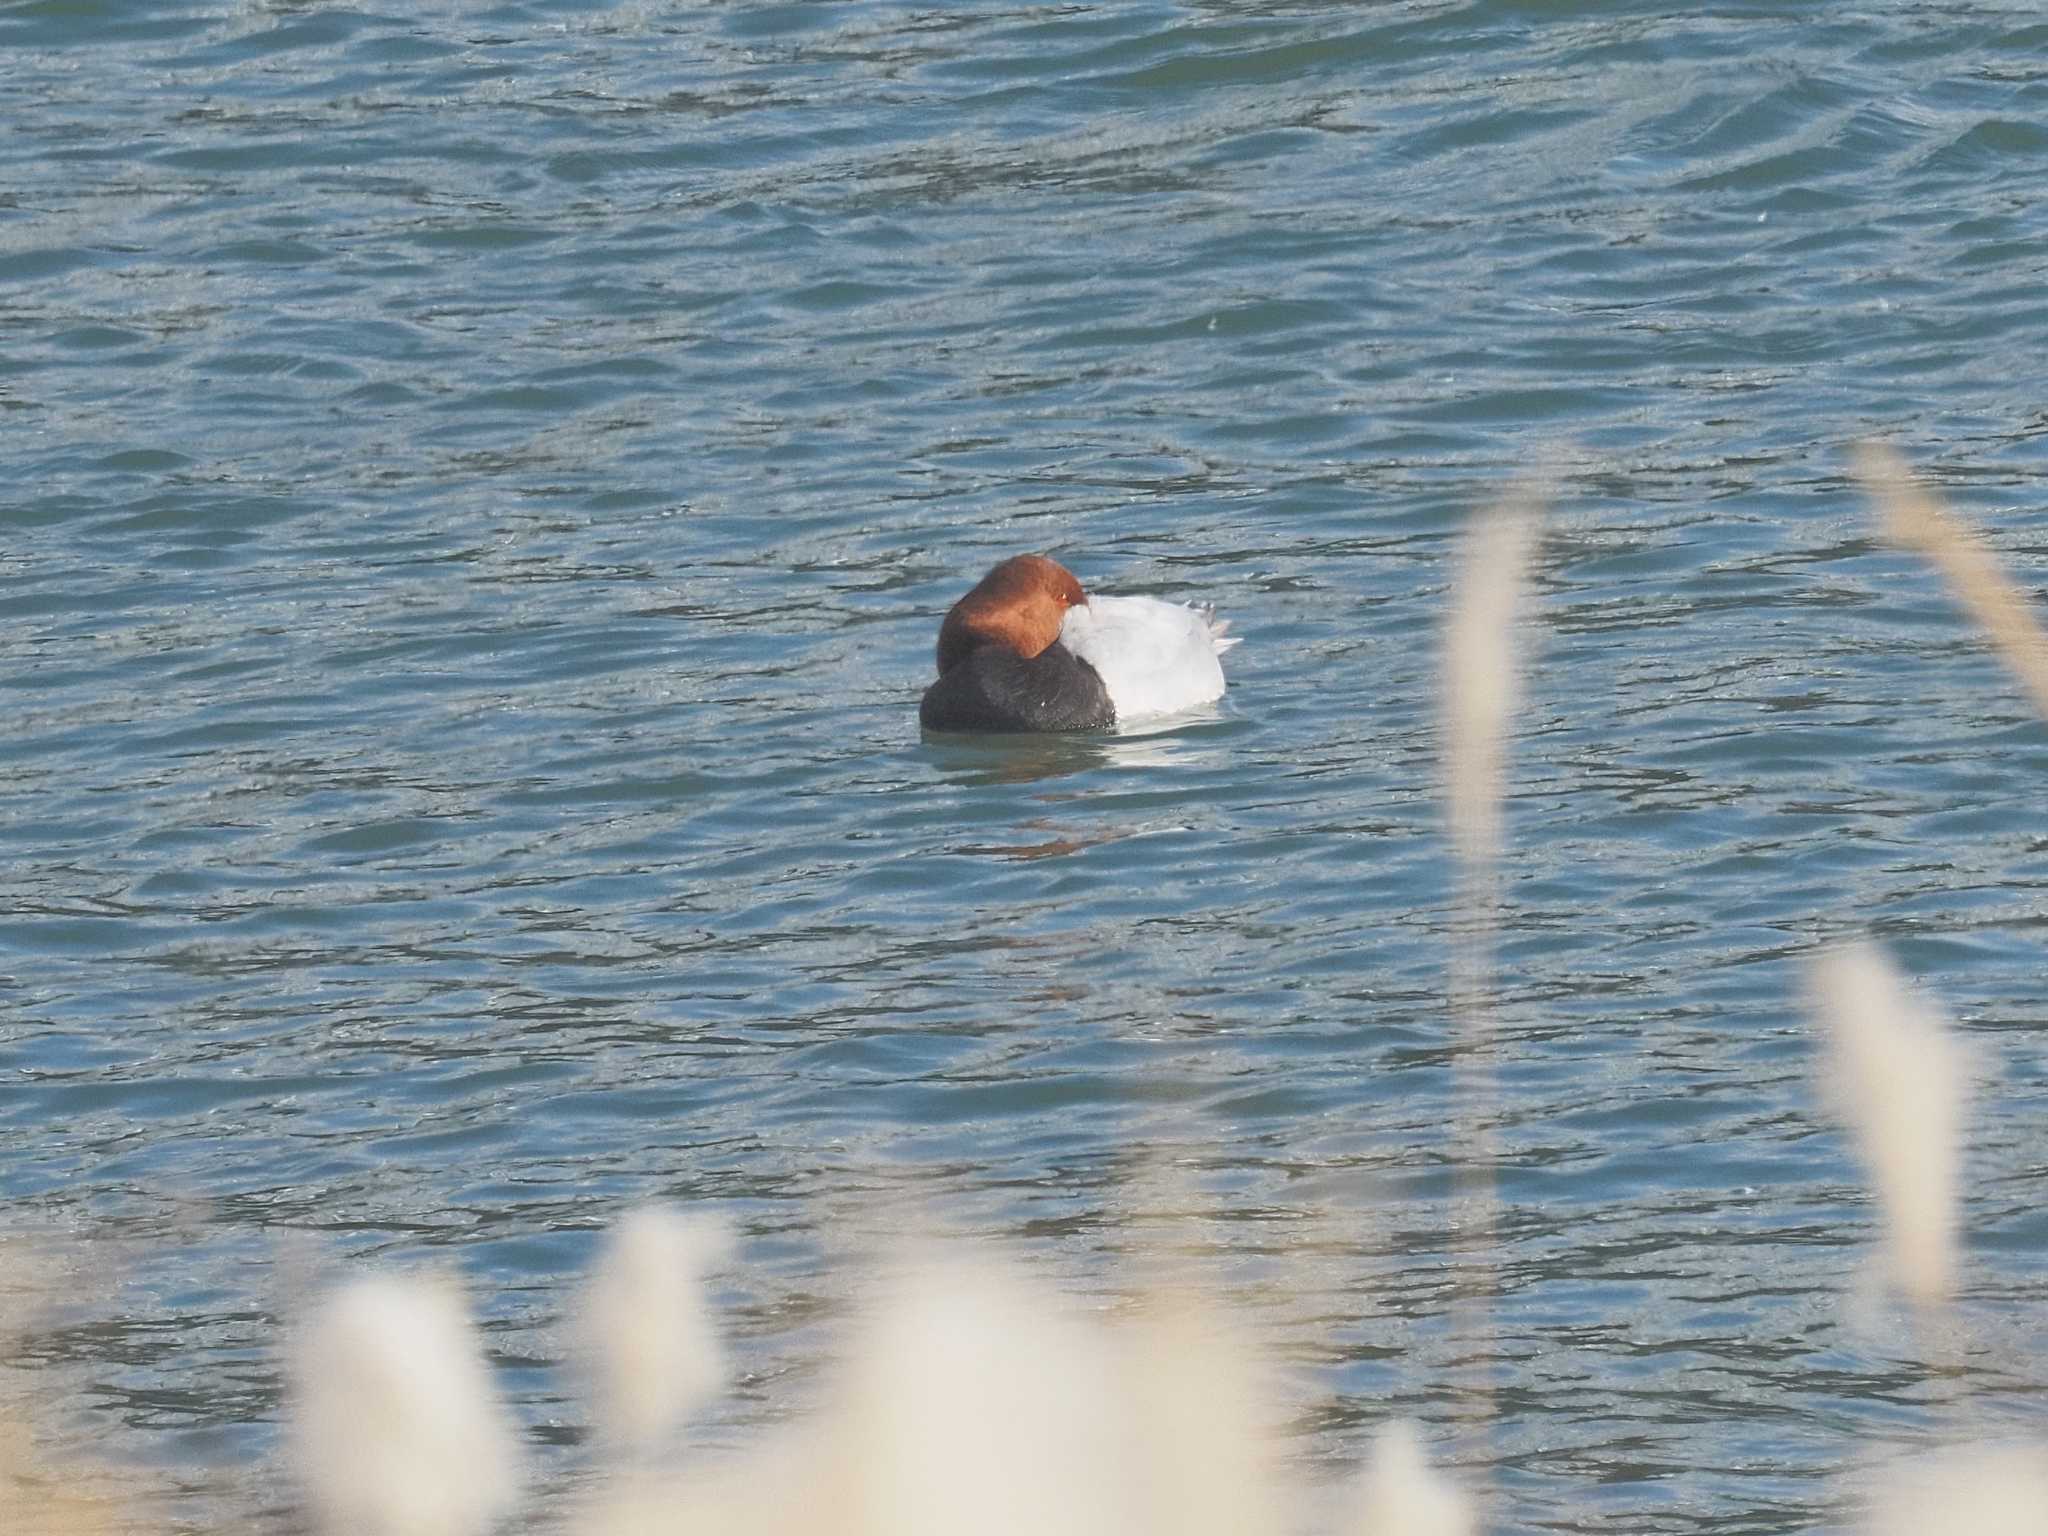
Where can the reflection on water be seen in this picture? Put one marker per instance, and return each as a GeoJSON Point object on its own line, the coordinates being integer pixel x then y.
{"type": "Point", "coordinates": [1192, 739]}
{"type": "Point", "coordinates": [1054, 846]}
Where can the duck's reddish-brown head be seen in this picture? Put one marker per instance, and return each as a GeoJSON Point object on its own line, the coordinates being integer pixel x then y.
{"type": "Point", "coordinates": [1018, 605]}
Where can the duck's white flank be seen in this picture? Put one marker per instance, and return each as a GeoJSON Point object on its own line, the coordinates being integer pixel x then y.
{"type": "Point", "coordinates": [1154, 657]}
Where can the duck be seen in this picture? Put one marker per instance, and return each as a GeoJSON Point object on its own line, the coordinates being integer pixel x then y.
{"type": "Point", "coordinates": [1030, 649]}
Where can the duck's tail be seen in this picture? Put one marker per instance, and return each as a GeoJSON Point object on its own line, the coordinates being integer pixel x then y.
{"type": "Point", "coordinates": [1219, 631]}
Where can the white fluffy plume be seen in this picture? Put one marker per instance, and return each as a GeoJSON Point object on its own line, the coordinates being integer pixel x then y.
{"type": "Point", "coordinates": [973, 1401]}
{"type": "Point", "coordinates": [397, 1428]}
{"type": "Point", "coordinates": [1400, 1495]}
{"type": "Point", "coordinates": [1901, 1083]}
{"type": "Point", "coordinates": [1971, 1491]}
{"type": "Point", "coordinates": [648, 1334]}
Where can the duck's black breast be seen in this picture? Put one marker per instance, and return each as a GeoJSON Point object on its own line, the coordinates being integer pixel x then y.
{"type": "Point", "coordinates": [995, 689]}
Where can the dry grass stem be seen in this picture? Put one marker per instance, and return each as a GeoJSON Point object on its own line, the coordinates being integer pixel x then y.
{"type": "Point", "coordinates": [1916, 519]}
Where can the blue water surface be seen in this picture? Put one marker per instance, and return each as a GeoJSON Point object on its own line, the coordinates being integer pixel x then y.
{"type": "Point", "coordinates": [479, 486]}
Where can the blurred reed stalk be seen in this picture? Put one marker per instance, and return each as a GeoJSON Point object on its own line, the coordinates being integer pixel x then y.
{"type": "Point", "coordinates": [1481, 688]}
{"type": "Point", "coordinates": [42, 1495]}
{"type": "Point", "coordinates": [48, 1504]}
{"type": "Point", "coordinates": [1914, 518]}
{"type": "Point", "coordinates": [37, 1499]}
